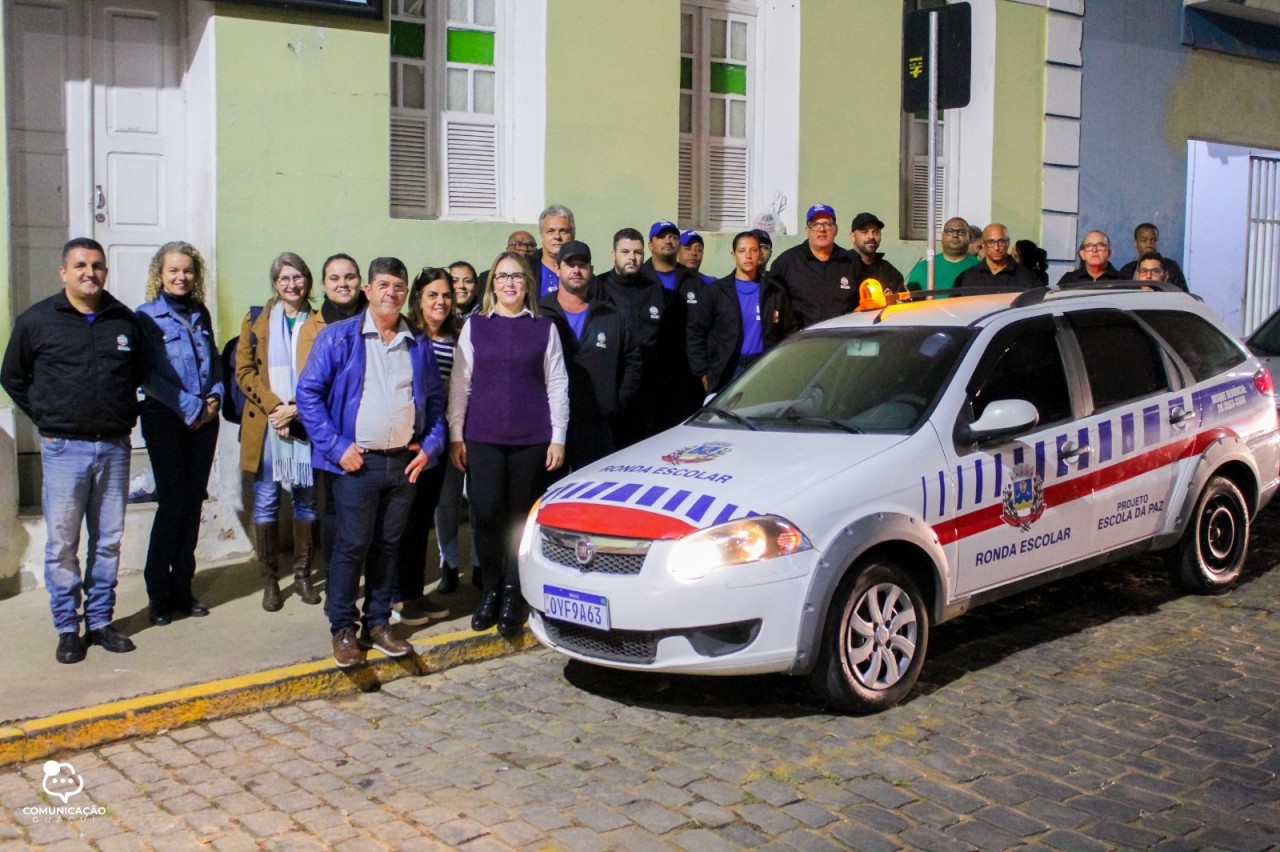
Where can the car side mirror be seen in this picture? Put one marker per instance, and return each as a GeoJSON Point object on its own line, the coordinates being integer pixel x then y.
{"type": "Point", "coordinates": [1001, 418]}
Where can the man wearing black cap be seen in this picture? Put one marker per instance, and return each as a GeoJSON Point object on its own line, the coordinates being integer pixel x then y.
{"type": "Point", "coordinates": [865, 234]}
{"type": "Point", "coordinates": [682, 389]}
{"type": "Point", "coordinates": [602, 359]}
{"type": "Point", "coordinates": [766, 251]}
{"type": "Point", "coordinates": [820, 277]}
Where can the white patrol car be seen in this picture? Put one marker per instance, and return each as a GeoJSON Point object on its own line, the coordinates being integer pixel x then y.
{"type": "Point", "coordinates": [888, 470]}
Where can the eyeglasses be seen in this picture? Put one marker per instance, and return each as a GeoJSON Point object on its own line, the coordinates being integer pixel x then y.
{"type": "Point", "coordinates": [503, 277]}
{"type": "Point", "coordinates": [519, 245]}
{"type": "Point", "coordinates": [1095, 247]}
{"type": "Point", "coordinates": [292, 279]}
{"type": "Point", "coordinates": [1151, 272]}
{"type": "Point", "coordinates": [956, 232]}
{"type": "Point", "coordinates": [821, 225]}
{"type": "Point", "coordinates": [1003, 242]}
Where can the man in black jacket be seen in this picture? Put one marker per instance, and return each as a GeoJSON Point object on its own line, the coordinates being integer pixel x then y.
{"type": "Point", "coordinates": [820, 277]}
{"type": "Point", "coordinates": [1095, 261]}
{"type": "Point", "coordinates": [681, 391]}
{"type": "Point", "coordinates": [738, 319]}
{"type": "Point", "coordinates": [997, 267]}
{"type": "Point", "coordinates": [602, 359]}
{"type": "Point", "coordinates": [73, 365]}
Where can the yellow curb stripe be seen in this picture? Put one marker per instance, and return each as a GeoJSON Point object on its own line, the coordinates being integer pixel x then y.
{"type": "Point", "coordinates": [149, 714]}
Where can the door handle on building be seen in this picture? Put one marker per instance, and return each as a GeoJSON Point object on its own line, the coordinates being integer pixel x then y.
{"type": "Point", "coordinates": [100, 202]}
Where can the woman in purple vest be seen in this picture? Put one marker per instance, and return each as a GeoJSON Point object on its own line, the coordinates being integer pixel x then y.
{"type": "Point", "coordinates": [508, 414]}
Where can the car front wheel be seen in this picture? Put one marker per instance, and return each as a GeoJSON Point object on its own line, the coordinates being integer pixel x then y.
{"type": "Point", "coordinates": [875, 640]}
{"type": "Point", "coordinates": [1211, 554]}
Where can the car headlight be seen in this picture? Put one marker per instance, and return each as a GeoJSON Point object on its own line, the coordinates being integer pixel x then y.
{"type": "Point", "coordinates": [734, 543]}
{"type": "Point", "coordinates": [530, 528]}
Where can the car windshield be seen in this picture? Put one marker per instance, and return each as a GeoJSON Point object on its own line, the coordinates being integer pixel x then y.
{"type": "Point", "coordinates": [861, 381]}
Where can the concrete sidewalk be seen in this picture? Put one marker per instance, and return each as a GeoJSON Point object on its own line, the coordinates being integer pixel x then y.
{"type": "Point", "coordinates": [237, 659]}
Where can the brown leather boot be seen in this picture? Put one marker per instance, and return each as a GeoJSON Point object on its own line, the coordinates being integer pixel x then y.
{"type": "Point", "coordinates": [266, 540]}
{"type": "Point", "coordinates": [303, 549]}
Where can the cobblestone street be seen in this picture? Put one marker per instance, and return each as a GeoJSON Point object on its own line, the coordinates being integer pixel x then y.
{"type": "Point", "coordinates": [1107, 711]}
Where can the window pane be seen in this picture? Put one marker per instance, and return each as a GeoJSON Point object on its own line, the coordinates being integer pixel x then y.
{"type": "Point", "coordinates": [728, 79]}
{"type": "Point", "coordinates": [686, 73]}
{"type": "Point", "coordinates": [414, 8]}
{"type": "Point", "coordinates": [738, 119]}
{"type": "Point", "coordinates": [484, 83]}
{"type": "Point", "coordinates": [486, 13]}
{"type": "Point", "coordinates": [686, 113]}
{"type": "Point", "coordinates": [474, 47]}
{"type": "Point", "coordinates": [458, 11]}
{"type": "Point", "coordinates": [686, 33]}
{"type": "Point", "coordinates": [414, 87]}
{"type": "Point", "coordinates": [458, 86]}
{"type": "Point", "coordinates": [717, 116]}
{"type": "Point", "coordinates": [1108, 338]}
{"type": "Point", "coordinates": [408, 39]}
{"type": "Point", "coordinates": [738, 41]}
{"type": "Point", "coordinates": [1023, 362]}
{"type": "Point", "coordinates": [1205, 350]}
{"type": "Point", "coordinates": [719, 27]}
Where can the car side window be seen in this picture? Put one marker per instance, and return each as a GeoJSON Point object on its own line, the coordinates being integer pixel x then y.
{"type": "Point", "coordinates": [1205, 350]}
{"type": "Point", "coordinates": [1023, 362]}
{"type": "Point", "coordinates": [1123, 362]}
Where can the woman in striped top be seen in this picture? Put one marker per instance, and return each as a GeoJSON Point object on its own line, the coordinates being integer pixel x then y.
{"type": "Point", "coordinates": [432, 318]}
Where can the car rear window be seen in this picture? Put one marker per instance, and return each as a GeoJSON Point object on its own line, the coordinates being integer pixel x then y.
{"type": "Point", "coordinates": [1202, 347]}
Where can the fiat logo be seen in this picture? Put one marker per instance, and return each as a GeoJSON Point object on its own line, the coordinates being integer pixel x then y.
{"type": "Point", "coordinates": [584, 551]}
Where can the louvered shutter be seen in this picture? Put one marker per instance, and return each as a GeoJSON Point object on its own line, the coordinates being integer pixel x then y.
{"type": "Point", "coordinates": [684, 204]}
{"type": "Point", "coordinates": [727, 170]}
{"type": "Point", "coordinates": [920, 194]}
{"type": "Point", "coordinates": [410, 183]}
{"type": "Point", "coordinates": [470, 167]}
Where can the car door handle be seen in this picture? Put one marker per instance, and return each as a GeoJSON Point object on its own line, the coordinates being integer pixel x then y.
{"type": "Point", "coordinates": [1069, 452]}
{"type": "Point", "coordinates": [1180, 416]}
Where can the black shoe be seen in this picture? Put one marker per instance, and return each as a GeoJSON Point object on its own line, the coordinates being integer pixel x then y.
{"type": "Point", "coordinates": [486, 614]}
{"type": "Point", "coordinates": [109, 639]}
{"type": "Point", "coordinates": [70, 648]}
{"type": "Point", "coordinates": [192, 607]}
{"type": "Point", "coordinates": [511, 613]}
{"type": "Point", "coordinates": [448, 580]}
{"type": "Point", "coordinates": [158, 612]}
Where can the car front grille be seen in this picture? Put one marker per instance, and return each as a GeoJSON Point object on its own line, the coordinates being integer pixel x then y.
{"type": "Point", "coordinates": [623, 646]}
{"type": "Point", "coordinates": [607, 555]}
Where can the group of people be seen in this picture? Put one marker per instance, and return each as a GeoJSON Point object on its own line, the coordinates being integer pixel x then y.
{"type": "Point", "coordinates": [376, 422]}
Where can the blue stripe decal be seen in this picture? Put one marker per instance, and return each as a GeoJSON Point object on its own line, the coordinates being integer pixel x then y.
{"type": "Point", "coordinates": [1040, 460]}
{"type": "Point", "coordinates": [1018, 455]}
{"type": "Point", "coordinates": [977, 482]}
{"type": "Point", "coordinates": [599, 489]}
{"type": "Point", "coordinates": [942, 493]}
{"type": "Point", "coordinates": [999, 478]}
{"type": "Point", "coordinates": [1151, 425]}
{"type": "Point", "coordinates": [575, 489]}
{"type": "Point", "coordinates": [1082, 437]}
{"type": "Point", "coordinates": [725, 514]}
{"type": "Point", "coordinates": [924, 498]}
{"type": "Point", "coordinates": [620, 495]}
{"type": "Point", "coordinates": [699, 508]}
{"type": "Point", "coordinates": [676, 500]}
{"type": "Point", "coordinates": [1104, 441]}
{"type": "Point", "coordinates": [1126, 434]}
{"type": "Point", "coordinates": [651, 496]}
{"type": "Point", "coordinates": [1062, 463]}
{"type": "Point", "coordinates": [959, 487]}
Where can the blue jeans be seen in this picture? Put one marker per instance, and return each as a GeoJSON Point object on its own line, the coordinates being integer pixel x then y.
{"type": "Point", "coordinates": [447, 516]}
{"type": "Point", "coordinates": [266, 497]}
{"type": "Point", "coordinates": [85, 482]}
{"type": "Point", "coordinates": [371, 507]}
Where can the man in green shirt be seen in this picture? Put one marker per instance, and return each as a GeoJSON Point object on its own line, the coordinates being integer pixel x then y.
{"type": "Point", "coordinates": [948, 263]}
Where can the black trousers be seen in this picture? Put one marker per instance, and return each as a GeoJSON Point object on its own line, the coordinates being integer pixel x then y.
{"type": "Point", "coordinates": [411, 566]}
{"type": "Point", "coordinates": [181, 461]}
{"type": "Point", "coordinates": [505, 481]}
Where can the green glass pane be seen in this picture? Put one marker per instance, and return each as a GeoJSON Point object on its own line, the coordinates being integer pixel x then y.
{"type": "Point", "coordinates": [475, 47]}
{"type": "Point", "coordinates": [728, 79]}
{"type": "Point", "coordinates": [686, 72]}
{"type": "Point", "coordinates": [408, 39]}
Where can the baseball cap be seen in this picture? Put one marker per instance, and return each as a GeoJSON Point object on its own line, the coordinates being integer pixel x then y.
{"type": "Point", "coordinates": [662, 225]}
{"type": "Point", "coordinates": [818, 210]}
{"type": "Point", "coordinates": [762, 236]}
{"type": "Point", "coordinates": [575, 248]}
{"type": "Point", "coordinates": [862, 220]}
{"type": "Point", "coordinates": [691, 237]}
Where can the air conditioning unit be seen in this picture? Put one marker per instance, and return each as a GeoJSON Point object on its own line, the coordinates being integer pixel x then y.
{"type": "Point", "coordinates": [1261, 11]}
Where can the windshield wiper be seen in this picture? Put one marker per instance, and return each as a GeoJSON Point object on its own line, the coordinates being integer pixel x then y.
{"type": "Point", "coordinates": [733, 416]}
{"type": "Point", "coordinates": [828, 421]}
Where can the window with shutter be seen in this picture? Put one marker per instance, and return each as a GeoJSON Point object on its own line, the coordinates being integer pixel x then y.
{"type": "Point", "coordinates": [446, 116]}
{"type": "Point", "coordinates": [717, 114]}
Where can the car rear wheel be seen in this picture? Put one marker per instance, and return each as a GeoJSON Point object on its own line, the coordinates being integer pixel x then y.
{"type": "Point", "coordinates": [1211, 554]}
{"type": "Point", "coordinates": [875, 640]}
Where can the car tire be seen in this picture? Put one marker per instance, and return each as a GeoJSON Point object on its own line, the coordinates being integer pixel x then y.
{"type": "Point", "coordinates": [1210, 556]}
{"type": "Point", "coordinates": [875, 640]}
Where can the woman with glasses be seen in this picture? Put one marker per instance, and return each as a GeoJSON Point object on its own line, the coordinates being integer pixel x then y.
{"type": "Point", "coordinates": [508, 416]}
{"type": "Point", "coordinates": [179, 422]}
{"type": "Point", "coordinates": [273, 444]}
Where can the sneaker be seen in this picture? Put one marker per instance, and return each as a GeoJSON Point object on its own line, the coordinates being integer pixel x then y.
{"type": "Point", "coordinates": [387, 642]}
{"type": "Point", "coordinates": [418, 611]}
{"type": "Point", "coordinates": [70, 648]}
{"type": "Point", "coordinates": [109, 639]}
{"type": "Point", "coordinates": [346, 650]}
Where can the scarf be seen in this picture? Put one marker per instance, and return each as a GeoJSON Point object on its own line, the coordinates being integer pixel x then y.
{"type": "Point", "coordinates": [290, 457]}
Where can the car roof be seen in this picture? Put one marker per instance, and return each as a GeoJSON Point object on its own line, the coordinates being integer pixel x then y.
{"type": "Point", "coordinates": [976, 309]}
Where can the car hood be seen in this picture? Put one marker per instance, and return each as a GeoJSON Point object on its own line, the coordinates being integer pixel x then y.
{"type": "Point", "coordinates": [692, 477]}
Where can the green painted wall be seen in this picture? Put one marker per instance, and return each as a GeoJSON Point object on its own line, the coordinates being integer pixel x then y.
{"type": "Point", "coordinates": [1018, 150]}
{"type": "Point", "coordinates": [1224, 98]}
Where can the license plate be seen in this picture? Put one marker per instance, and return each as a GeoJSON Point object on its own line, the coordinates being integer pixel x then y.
{"type": "Point", "coordinates": [576, 607]}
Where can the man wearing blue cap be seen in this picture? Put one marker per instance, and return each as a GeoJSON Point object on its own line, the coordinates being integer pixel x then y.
{"type": "Point", "coordinates": [683, 390]}
{"type": "Point", "coordinates": [820, 277]}
{"type": "Point", "coordinates": [691, 254]}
